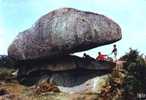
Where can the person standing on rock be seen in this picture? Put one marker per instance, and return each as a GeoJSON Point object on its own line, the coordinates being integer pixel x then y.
{"type": "Point", "coordinates": [114, 51]}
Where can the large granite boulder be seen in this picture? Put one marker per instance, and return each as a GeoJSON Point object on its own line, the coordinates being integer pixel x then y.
{"type": "Point", "coordinates": [64, 71]}
{"type": "Point", "coordinates": [64, 31]}
{"type": "Point", "coordinates": [67, 78]}
{"type": "Point", "coordinates": [92, 85]}
{"type": "Point", "coordinates": [64, 63]}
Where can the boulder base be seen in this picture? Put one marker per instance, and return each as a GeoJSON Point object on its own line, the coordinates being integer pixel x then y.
{"type": "Point", "coordinates": [68, 71]}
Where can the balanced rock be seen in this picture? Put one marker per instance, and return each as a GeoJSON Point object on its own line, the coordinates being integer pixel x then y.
{"type": "Point", "coordinates": [64, 31]}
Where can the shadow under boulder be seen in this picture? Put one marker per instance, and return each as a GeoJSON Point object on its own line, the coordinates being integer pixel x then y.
{"type": "Point", "coordinates": [75, 77]}
{"type": "Point", "coordinates": [66, 71]}
{"type": "Point", "coordinates": [64, 78]}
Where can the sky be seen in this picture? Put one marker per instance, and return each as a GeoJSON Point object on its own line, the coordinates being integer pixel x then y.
{"type": "Point", "coordinates": [18, 15]}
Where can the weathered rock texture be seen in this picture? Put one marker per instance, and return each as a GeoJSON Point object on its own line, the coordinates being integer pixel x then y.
{"type": "Point", "coordinates": [64, 31]}
{"type": "Point", "coordinates": [64, 63]}
{"type": "Point", "coordinates": [65, 71]}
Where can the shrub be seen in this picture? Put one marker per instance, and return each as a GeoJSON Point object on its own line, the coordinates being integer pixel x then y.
{"type": "Point", "coordinates": [135, 81]}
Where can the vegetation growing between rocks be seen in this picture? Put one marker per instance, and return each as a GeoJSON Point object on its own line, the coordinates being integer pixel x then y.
{"type": "Point", "coordinates": [128, 82]}
{"type": "Point", "coordinates": [135, 80]}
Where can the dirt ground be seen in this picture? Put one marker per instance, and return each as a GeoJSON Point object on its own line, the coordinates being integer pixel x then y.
{"type": "Point", "coordinates": [15, 91]}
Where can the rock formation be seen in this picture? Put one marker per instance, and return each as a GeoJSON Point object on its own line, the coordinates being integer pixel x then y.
{"type": "Point", "coordinates": [64, 31]}
{"type": "Point", "coordinates": [64, 71]}
{"type": "Point", "coordinates": [43, 51]}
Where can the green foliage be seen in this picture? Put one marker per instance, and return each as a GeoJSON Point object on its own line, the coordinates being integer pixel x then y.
{"type": "Point", "coordinates": [135, 81]}
{"type": "Point", "coordinates": [130, 56]}
{"type": "Point", "coordinates": [7, 62]}
{"type": "Point", "coordinates": [7, 67]}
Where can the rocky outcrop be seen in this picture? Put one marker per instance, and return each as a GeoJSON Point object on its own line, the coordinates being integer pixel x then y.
{"type": "Point", "coordinates": [66, 71]}
{"type": "Point", "coordinates": [92, 85]}
{"type": "Point", "coordinates": [65, 63]}
{"type": "Point", "coordinates": [64, 31]}
{"type": "Point", "coordinates": [43, 51]}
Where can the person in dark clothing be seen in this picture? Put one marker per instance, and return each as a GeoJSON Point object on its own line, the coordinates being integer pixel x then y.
{"type": "Point", "coordinates": [88, 57]}
{"type": "Point", "coordinates": [114, 51]}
